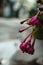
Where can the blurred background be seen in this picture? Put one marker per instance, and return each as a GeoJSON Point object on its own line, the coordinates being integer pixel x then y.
{"type": "Point", "coordinates": [16, 8]}
{"type": "Point", "coordinates": [12, 12]}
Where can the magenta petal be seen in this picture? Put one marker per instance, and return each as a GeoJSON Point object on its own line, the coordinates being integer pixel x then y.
{"type": "Point", "coordinates": [26, 47]}
{"type": "Point", "coordinates": [31, 51]}
{"type": "Point", "coordinates": [22, 46]}
{"type": "Point", "coordinates": [33, 20]}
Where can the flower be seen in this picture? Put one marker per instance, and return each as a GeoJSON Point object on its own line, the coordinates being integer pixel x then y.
{"type": "Point", "coordinates": [36, 22]}
{"type": "Point", "coordinates": [26, 46]}
{"type": "Point", "coordinates": [32, 21]}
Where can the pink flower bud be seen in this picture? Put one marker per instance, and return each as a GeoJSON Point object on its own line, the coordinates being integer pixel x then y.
{"type": "Point", "coordinates": [26, 46]}
{"type": "Point", "coordinates": [33, 20]}
{"type": "Point", "coordinates": [21, 30]}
